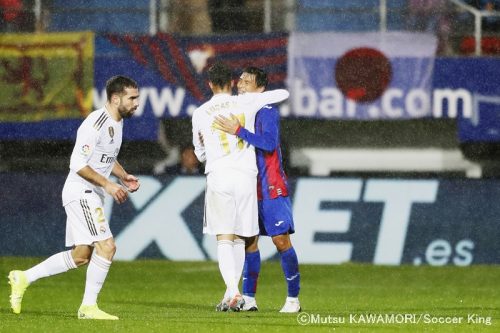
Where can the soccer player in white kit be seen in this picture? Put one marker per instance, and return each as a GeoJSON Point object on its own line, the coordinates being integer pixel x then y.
{"type": "Point", "coordinates": [98, 143]}
{"type": "Point", "coordinates": [231, 196]}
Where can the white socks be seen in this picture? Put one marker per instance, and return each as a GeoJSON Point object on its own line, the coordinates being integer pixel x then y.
{"type": "Point", "coordinates": [225, 256]}
{"type": "Point", "coordinates": [56, 264]}
{"type": "Point", "coordinates": [96, 274]}
{"type": "Point", "coordinates": [239, 258]}
{"type": "Point", "coordinates": [63, 261]}
{"type": "Point", "coordinates": [224, 249]}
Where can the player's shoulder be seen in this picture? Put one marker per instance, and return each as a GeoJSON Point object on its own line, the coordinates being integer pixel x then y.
{"type": "Point", "coordinates": [270, 107]}
{"type": "Point", "coordinates": [269, 111]}
{"type": "Point", "coordinates": [198, 111]}
{"type": "Point", "coordinates": [96, 119]}
{"type": "Point", "coordinates": [204, 105]}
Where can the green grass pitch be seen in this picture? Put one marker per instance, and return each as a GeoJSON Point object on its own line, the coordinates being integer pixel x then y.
{"type": "Point", "coordinates": [165, 296]}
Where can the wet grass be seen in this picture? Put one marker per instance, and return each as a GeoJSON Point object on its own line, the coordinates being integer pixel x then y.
{"type": "Point", "coordinates": [164, 296]}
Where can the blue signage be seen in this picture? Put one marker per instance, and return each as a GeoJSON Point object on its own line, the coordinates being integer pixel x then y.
{"type": "Point", "coordinates": [380, 221]}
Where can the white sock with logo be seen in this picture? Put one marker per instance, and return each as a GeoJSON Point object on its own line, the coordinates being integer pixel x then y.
{"type": "Point", "coordinates": [225, 256]}
{"type": "Point", "coordinates": [56, 264]}
{"type": "Point", "coordinates": [96, 275]}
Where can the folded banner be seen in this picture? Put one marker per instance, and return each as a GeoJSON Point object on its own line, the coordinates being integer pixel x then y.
{"type": "Point", "coordinates": [361, 75]}
{"type": "Point", "coordinates": [46, 76]}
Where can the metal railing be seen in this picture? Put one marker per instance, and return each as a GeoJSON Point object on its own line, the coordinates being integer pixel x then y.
{"type": "Point", "coordinates": [478, 18]}
{"type": "Point", "coordinates": [272, 15]}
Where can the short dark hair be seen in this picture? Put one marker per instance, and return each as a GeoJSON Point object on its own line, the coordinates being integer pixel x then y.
{"type": "Point", "coordinates": [117, 85]}
{"type": "Point", "coordinates": [260, 76]}
{"type": "Point", "coordinates": [219, 74]}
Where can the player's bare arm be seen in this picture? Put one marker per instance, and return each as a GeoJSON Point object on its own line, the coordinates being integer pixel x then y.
{"type": "Point", "coordinates": [228, 125]}
{"type": "Point", "coordinates": [116, 191]}
{"type": "Point", "coordinates": [131, 182]}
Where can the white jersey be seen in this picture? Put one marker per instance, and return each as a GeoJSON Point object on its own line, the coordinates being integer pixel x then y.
{"type": "Point", "coordinates": [220, 149]}
{"type": "Point", "coordinates": [97, 145]}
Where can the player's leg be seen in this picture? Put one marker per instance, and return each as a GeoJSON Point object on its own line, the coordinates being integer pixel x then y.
{"type": "Point", "coordinates": [239, 261]}
{"type": "Point", "coordinates": [279, 225]}
{"type": "Point", "coordinates": [227, 268]}
{"type": "Point", "coordinates": [58, 263]}
{"type": "Point", "coordinates": [247, 223]}
{"type": "Point", "coordinates": [239, 257]}
{"type": "Point", "coordinates": [97, 272]}
{"type": "Point", "coordinates": [81, 254]}
{"type": "Point", "coordinates": [290, 266]}
{"type": "Point", "coordinates": [20, 280]}
{"type": "Point", "coordinates": [251, 271]}
{"type": "Point", "coordinates": [93, 229]}
{"type": "Point", "coordinates": [220, 220]}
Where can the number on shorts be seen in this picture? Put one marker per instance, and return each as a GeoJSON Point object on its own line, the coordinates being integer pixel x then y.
{"type": "Point", "coordinates": [100, 215]}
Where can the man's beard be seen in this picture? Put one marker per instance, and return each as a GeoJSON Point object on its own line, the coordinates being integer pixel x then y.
{"type": "Point", "coordinates": [124, 113]}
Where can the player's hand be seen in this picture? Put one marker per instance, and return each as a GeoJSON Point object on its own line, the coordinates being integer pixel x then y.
{"type": "Point", "coordinates": [228, 125]}
{"type": "Point", "coordinates": [131, 183]}
{"type": "Point", "coordinates": [116, 191]}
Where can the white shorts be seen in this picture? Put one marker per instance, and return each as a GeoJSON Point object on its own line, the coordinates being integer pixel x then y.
{"type": "Point", "coordinates": [86, 222]}
{"type": "Point", "coordinates": [231, 204]}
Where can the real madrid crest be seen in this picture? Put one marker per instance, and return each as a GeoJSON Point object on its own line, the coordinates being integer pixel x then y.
{"type": "Point", "coordinates": [111, 132]}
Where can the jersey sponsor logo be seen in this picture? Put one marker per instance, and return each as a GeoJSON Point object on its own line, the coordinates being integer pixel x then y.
{"type": "Point", "coordinates": [105, 158]}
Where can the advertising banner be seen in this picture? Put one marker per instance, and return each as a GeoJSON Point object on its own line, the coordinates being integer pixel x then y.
{"type": "Point", "coordinates": [380, 221]}
{"type": "Point", "coordinates": [169, 71]}
{"type": "Point", "coordinates": [386, 76]}
{"type": "Point", "coordinates": [477, 81]}
{"type": "Point", "coordinates": [368, 75]}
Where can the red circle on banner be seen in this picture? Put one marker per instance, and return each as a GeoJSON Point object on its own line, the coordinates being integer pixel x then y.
{"type": "Point", "coordinates": [363, 74]}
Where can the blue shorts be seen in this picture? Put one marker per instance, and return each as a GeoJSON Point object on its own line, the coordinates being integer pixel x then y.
{"type": "Point", "coordinates": [275, 216]}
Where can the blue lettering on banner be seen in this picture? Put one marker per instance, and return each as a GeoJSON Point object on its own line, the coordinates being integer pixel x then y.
{"type": "Point", "coordinates": [383, 221]}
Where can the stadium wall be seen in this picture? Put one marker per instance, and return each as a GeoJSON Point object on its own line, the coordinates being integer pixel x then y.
{"type": "Point", "coordinates": [379, 221]}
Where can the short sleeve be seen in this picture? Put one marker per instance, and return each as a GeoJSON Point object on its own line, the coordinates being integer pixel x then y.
{"type": "Point", "coordinates": [86, 141]}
